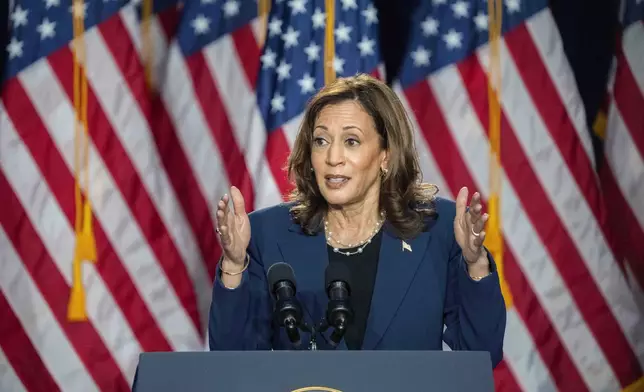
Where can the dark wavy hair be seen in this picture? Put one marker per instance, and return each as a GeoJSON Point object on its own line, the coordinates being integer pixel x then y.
{"type": "Point", "coordinates": [406, 200]}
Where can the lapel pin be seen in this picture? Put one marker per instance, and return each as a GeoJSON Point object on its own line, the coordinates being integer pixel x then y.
{"type": "Point", "coordinates": [406, 246]}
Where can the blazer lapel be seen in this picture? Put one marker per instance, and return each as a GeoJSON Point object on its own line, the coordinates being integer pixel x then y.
{"type": "Point", "coordinates": [397, 266]}
{"type": "Point", "coordinates": [306, 254]}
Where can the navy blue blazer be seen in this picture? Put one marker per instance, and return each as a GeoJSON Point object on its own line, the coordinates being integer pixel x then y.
{"type": "Point", "coordinates": [419, 289]}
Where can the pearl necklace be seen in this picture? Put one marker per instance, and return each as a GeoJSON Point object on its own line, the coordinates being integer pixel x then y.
{"type": "Point", "coordinates": [362, 244]}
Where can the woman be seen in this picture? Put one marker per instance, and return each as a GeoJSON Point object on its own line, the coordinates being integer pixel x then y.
{"type": "Point", "coordinates": [417, 261]}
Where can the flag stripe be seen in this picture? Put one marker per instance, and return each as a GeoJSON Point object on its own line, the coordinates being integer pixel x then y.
{"type": "Point", "coordinates": [34, 134]}
{"type": "Point", "coordinates": [466, 107]}
{"type": "Point", "coordinates": [49, 281]}
{"type": "Point", "coordinates": [246, 51]}
{"type": "Point", "coordinates": [38, 322]}
{"type": "Point", "coordinates": [504, 380]}
{"type": "Point", "coordinates": [524, 358]}
{"type": "Point", "coordinates": [443, 145]}
{"type": "Point", "coordinates": [629, 99]}
{"type": "Point", "coordinates": [208, 97]}
{"type": "Point", "coordinates": [430, 170]}
{"type": "Point", "coordinates": [193, 133]}
{"type": "Point", "coordinates": [173, 156]}
{"type": "Point", "coordinates": [58, 238]}
{"type": "Point", "coordinates": [117, 162]}
{"type": "Point", "coordinates": [518, 171]}
{"type": "Point", "coordinates": [21, 367]}
{"type": "Point", "coordinates": [58, 233]}
{"type": "Point", "coordinates": [277, 153]}
{"type": "Point", "coordinates": [545, 46]}
{"type": "Point", "coordinates": [531, 66]}
{"type": "Point", "coordinates": [588, 259]}
{"type": "Point", "coordinates": [631, 49]}
{"type": "Point", "coordinates": [229, 65]}
{"type": "Point", "coordinates": [104, 74]}
{"type": "Point", "coordinates": [113, 217]}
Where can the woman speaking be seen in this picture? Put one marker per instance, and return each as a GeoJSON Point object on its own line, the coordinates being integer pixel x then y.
{"type": "Point", "coordinates": [419, 273]}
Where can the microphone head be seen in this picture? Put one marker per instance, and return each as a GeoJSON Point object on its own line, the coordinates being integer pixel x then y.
{"type": "Point", "coordinates": [336, 272]}
{"type": "Point", "coordinates": [280, 272]}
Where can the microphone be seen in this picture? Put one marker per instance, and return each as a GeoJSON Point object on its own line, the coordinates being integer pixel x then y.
{"type": "Point", "coordinates": [286, 310]}
{"type": "Point", "coordinates": [339, 312]}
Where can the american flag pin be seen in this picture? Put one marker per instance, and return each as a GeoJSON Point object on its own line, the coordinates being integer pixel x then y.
{"type": "Point", "coordinates": [406, 246]}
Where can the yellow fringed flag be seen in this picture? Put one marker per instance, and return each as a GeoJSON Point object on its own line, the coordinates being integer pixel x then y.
{"type": "Point", "coordinates": [85, 249]}
{"type": "Point", "coordinates": [329, 42]}
{"type": "Point", "coordinates": [494, 236]}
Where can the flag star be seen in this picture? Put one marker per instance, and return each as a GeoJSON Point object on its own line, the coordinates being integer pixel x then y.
{"type": "Point", "coordinates": [429, 26]}
{"type": "Point", "coordinates": [480, 20]}
{"type": "Point", "coordinates": [460, 9]}
{"type": "Point", "coordinates": [513, 6]}
{"type": "Point", "coordinates": [439, 2]}
{"type": "Point", "coordinates": [274, 27]}
{"type": "Point", "coordinates": [297, 6]}
{"type": "Point", "coordinates": [200, 24]}
{"type": "Point", "coordinates": [14, 48]}
{"type": "Point", "coordinates": [277, 103]}
{"type": "Point", "coordinates": [46, 29]}
{"type": "Point", "coordinates": [52, 3]}
{"type": "Point", "coordinates": [208, 2]}
{"type": "Point", "coordinates": [338, 64]}
{"type": "Point", "coordinates": [370, 15]}
{"type": "Point", "coordinates": [342, 33]}
{"type": "Point", "coordinates": [19, 16]}
{"type": "Point", "coordinates": [312, 52]}
{"type": "Point", "coordinates": [290, 37]}
{"type": "Point", "coordinates": [453, 39]}
{"type": "Point", "coordinates": [231, 8]}
{"type": "Point", "coordinates": [366, 46]}
{"type": "Point", "coordinates": [307, 84]}
{"type": "Point", "coordinates": [421, 56]}
{"type": "Point", "coordinates": [318, 18]}
{"type": "Point", "coordinates": [283, 70]}
{"type": "Point", "coordinates": [349, 5]}
{"type": "Point", "coordinates": [268, 58]}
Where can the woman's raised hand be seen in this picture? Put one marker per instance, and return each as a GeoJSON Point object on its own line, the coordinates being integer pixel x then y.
{"type": "Point", "coordinates": [469, 225]}
{"type": "Point", "coordinates": [233, 227]}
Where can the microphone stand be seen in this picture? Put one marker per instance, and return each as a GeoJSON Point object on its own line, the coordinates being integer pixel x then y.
{"type": "Point", "coordinates": [322, 327]}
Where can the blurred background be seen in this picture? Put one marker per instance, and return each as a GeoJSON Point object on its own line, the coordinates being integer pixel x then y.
{"type": "Point", "coordinates": [123, 122]}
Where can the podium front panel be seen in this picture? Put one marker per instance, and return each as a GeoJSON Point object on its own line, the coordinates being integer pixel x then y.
{"type": "Point", "coordinates": [315, 371]}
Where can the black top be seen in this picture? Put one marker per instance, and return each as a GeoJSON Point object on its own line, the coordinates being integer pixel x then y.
{"type": "Point", "coordinates": [363, 267]}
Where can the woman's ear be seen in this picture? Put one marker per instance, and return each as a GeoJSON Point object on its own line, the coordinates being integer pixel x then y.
{"type": "Point", "coordinates": [384, 164]}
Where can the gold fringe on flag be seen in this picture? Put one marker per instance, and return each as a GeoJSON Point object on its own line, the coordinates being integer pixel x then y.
{"type": "Point", "coordinates": [147, 44]}
{"type": "Point", "coordinates": [494, 237]}
{"type": "Point", "coordinates": [637, 386]}
{"type": "Point", "coordinates": [263, 10]}
{"type": "Point", "coordinates": [85, 249]}
{"type": "Point", "coordinates": [329, 42]}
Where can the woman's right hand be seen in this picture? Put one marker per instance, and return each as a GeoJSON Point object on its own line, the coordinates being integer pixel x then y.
{"type": "Point", "coordinates": [233, 227]}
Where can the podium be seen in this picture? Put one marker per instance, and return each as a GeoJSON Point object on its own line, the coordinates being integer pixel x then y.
{"type": "Point", "coordinates": [314, 371]}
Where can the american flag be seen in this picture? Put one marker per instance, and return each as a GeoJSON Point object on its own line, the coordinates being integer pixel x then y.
{"type": "Point", "coordinates": [622, 172]}
{"type": "Point", "coordinates": [223, 110]}
{"type": "Point", "coordinates": [573, 323]}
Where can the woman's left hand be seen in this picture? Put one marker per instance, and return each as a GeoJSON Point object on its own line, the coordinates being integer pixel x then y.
{"type": "Point", "coordinates": [468, 226]}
